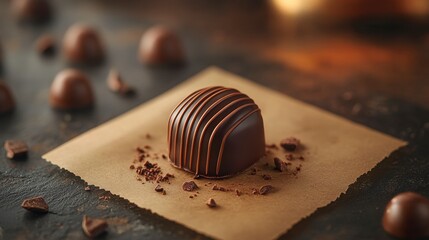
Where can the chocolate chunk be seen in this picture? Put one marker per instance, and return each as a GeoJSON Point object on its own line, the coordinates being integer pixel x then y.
{"type": "Point", "coordinates": [265, 189]}
{"type": "Point", "coordinates": [161, 46]}
{"type": "Point", "coordinates": [234, 141]}
{"type": "Point", "coordinates": [158, 188]}
{"type": "Point", "coordinates": [279, 164]}
{"type": "Point", "coordinates": [290, 144]}
{"type": "Point", "coordinates": [116, 84]}
{"type": "Point", "coordinates": [71, 90]}
{"type": "Point", "coordinates": [93, 227]}
{"type": "Point", "coordinates": [45, 45]}
{"type": "Point", "coordinates": [82, 45]}
{"type": "Point", "coordinates": [407, 216]}
{"type": "Point", "coordinates": [7, 101]}
{"type": "Point", "coordinates": [36, 204]}
{"type": "Point", "coordinates": [189, 186]}
{"type": "Point", "coordinates": [16, 149]}
{"type": "Point", "coordinates": [211, 203]}
{"type": "Point", "coordinates": [34, 11]}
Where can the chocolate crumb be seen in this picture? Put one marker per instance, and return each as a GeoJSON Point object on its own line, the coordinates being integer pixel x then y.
{"type": "Point", "coordinates": [189, 186]}
{"type": "Point", "coordinates": [163, 156]}
{"type": "Point", "coordinates": [274, 146]}
{"type": "Point", "coordinates": [87, 188]}
{"type": "Point", "coordinates": [211, 203]}
{"type": "Point", "coordinates": [266, 177]}
{"type": "Point", "coordinates": [148, 136]}
{"type": "Point", "coordinates": [279, 164]}
{"type": "Point", "coordinates": [237, 192]}
{"type": "Point", "coordinates": [132, 167]}
{"type": "Point", "coordinates": [45, 45]}
{"type": "Point", "coordinates": [104, 198]}
{"type": "Point", "coordinates": [158, 188]}
{"type": "Point", "coordinates": [289, 157]}
{"type": "Point", "coordinates": [191, 196]}
{"type": "Point", "coordinates": [164, 192]}
{"type": "Point", "coordinates": [265, 189]}
{"type": "Point", "coordinates": [93, 227]}
{"type": "Point", "coordinates": [36, 204]}
{"type": "Point", "coordinates": [147, 147]}
{"type": "Point", "coordinates": [116, 84]}
{"type": "Point", "coordinates": [253, 171]}
{"type": "Point", "coordinates": [16, 149]}
{"type": "Point", "coordinates": [290, 144]}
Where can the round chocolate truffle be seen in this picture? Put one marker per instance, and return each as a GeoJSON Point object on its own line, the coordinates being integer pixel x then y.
{"type": "Point", "coordinates": [7, 102]}
{"type": "Point", "coordinates": [71, 90]}
{"type": "Point", "coordinates": [216, 132]}
{"type": "Point", "coordinates": [31, 10]}
{"type": "Point", "coordinates": [161, 46]}
{"type": "Point", "coordinates": [82, 44]}
{"type": "Point", "coordinates": [407, 216]}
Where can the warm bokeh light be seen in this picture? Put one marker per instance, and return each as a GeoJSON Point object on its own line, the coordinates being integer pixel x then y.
{"type": "Point", "coordinates": [296, 7]}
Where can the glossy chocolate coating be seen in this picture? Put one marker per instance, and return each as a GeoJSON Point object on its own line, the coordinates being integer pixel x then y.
{"type": "Point", "coordinates": [82, 44]}
{"type": "Point", "coordinates": [31, 10]}
{"type": "Point", "coordinates": [216, 132]}
{"type": "Point", "coordinates": [407, 216]}
{"type": "Point", "coordinates": [71, 90]}
{"type": "Point", "coordinates": [7, 102]}
{"type": "Point", "coordinates": [161, 46]}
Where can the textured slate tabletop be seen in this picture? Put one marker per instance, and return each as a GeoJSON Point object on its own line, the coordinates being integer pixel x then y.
{"type": "Point", "coordinates": [375, 75]}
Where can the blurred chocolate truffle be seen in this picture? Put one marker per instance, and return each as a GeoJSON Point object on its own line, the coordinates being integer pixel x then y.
{"type": "Point", "coordinates": [7, 102]}
{"type": "Point", "coordinates": [161, 46]}
{"type": "Point", "coordinates": [407, 216]}
{"type": "Point", "coordinates": [82, 44]}
{"type": "Point", "coordinates": [71, 90]}
{"type": "Point", "coordinates": [216, 132]}
{"type": "Point", "coordinates": [32, 10]}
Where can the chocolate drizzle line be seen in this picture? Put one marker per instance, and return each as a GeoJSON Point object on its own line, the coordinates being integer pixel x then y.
{"type": "Point", "coordinates": [202, 115]}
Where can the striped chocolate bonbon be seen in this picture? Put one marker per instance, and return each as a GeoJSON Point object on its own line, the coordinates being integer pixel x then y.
{"type": "Point", "coordinates": [216, 132]}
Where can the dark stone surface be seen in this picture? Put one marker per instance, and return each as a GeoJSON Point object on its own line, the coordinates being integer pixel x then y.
{"type": "Point", "coordinates": [369, 76]}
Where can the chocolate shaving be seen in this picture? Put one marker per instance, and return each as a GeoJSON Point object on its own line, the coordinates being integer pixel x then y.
{"type": "Point", "coordinates": [45, 45]}
{"type": "Point", "coordinates": [211, 203]}
{"type": "Point", "coordinates": [189, 186]}
{"type": "Point", "coordinates": [265, 189]}
{"type": "Point", "coordinates": [116, 84]}
{"type": "Point", "coordinates": [266, 177]}
{"type": "Point", "coordinates": [158, 188]}
{"type": "Point", "coordinates": [279, 164]}
{"type": "Point", "coordinates": [238, 192]}
{"type": "Point", "coordinates": [290, 144]}
{"type": "Point", "coordinates": [36, 204]}
{"type": "Point", "coordinates": [93, 227]}
{"type": "Point", "coordinates": [16, 149]}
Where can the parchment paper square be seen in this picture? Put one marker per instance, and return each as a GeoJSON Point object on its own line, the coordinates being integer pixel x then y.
{"type": "Point", "coordinates": [336, 153]}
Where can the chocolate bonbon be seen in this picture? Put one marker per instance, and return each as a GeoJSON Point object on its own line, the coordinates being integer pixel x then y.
{"type": "Point", "coordinates": [82, 44]}
{"type": "Point", "coordinates": [161, 46]}
{"type": "Point", "coordinates": [70, 90]}
{"type": "Point", "coordinates": [407, 216]}
{"type": "Point", "coordinates": [31, 10]}
{"type": "Point", "coordinates": [216, 132]}
{"type": "Point", "coordinates": [7, 102]}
